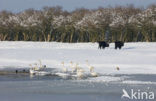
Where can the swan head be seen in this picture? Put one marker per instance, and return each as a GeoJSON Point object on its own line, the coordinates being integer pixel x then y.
{"type": "Point", "coordinates": [71, 64]}
{"type": "Point", "coordinates": [62, 62]}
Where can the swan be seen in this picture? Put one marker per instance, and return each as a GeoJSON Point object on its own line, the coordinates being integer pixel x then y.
{"type": "Point", "coordinates": [72, 67]}
{"type": "Point", "coordinates": [64, 69]}
{"type": "Point", "coordinates": [36, 67]}
{"type": "Point", "coordinates": [41, 66]}
{"type": "Point", "coordinates": [40, 63]}
{"type": "Point", "coordinates": [64, 73]}
{"type": "Point", "coordinates": [80, 73]}
{"type": "Point", "coordinates": [33, 70]}
{"type": "Point", "coordinates": [94, 74]}
{"type": "Point", "coordinates": [42, 73]}
{"type": "Point", "coordinates": [38, 70]}
{"type": "Point", "coordinates": [77, 67]}
{"type": "Point", "coordinates": [91, 70]}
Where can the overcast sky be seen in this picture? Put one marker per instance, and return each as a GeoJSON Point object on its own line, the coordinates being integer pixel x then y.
{"type": "Point", "coordinates": [20, 5]}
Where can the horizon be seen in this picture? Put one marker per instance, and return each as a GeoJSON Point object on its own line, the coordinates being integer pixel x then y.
{"type": "Point", "coordinates": [69, 5]}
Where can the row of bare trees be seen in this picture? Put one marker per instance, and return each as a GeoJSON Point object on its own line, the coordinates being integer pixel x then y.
{"type": "Point", "coordinates": [128, 24]}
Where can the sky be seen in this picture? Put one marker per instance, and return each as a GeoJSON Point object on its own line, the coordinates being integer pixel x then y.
{"type": "Point", "coordinates": [69, 5]}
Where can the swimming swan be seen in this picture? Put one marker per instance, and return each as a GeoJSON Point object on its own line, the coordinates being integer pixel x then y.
{"type": "Point", "coordinates": [64, 69]}
{"type": "Point", "coordinates": [91, 70]}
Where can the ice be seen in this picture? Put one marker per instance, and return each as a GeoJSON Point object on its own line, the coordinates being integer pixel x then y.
{"type": "Point", "coordinates": [138, 82]}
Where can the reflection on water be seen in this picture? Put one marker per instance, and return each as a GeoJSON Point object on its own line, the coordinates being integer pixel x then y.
{"type": "Point", "coordinates": [23, 87]}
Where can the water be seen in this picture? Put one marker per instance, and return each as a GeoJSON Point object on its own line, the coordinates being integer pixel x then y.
{"type": "Point", "coordinates": [23, 87]}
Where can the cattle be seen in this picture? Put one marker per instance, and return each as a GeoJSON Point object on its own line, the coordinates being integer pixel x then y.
{"type": "Point", "coordinates": [119, 44]}
{"type": "Point", "coordinates": [103, 44]}
{"type": "Point", "coordinates": [16, 71]}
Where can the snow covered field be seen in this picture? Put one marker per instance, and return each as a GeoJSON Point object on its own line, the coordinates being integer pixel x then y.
{"type": "Point", "coordinates": [133, 58]}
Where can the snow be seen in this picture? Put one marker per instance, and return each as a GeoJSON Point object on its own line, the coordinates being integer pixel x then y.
{"type": "Point", "coordinates": [133, 58]}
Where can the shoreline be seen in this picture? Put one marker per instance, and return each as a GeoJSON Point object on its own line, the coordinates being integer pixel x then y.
{"type": "Point", "coordinates": [13, 72]}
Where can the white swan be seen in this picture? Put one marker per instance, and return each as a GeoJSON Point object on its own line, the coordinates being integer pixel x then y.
{"type": "Point", "coordinates": [42, 73]}
{"type": "Point", "coordinates": [79, 72]}
{"type": "Point", "coordinates": [72, 67]}
{"type": "Point", "coordinates": [64, 73]}
{"type": "Point", "coordinates": [77, 67]}
{"type": "Point", "coordinates": [33, 69]}
{"type": "Point", "coordinates": [36, 67]}
{"type": "Point", "coordinates": [42, 67]}
{"type": "Point", "coordinates": [94, 74]}
{"type": "Point", "coordinates": [91, 70]}
{"type": "Point", "coordinates": [40, 63]}
{"type": "Point", "coordinates": [64, 69]}
{"type": "Point", "coordinates": [38, 70]}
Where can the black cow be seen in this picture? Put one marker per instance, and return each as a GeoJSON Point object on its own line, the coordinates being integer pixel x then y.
{"type": "Point", "coordinates": [103, 44]}
{"type": "Point", "coordinates": [119, 44]}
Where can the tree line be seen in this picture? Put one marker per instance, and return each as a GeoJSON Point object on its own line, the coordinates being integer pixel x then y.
{"type": "Point", "coordinates": [123, 23]}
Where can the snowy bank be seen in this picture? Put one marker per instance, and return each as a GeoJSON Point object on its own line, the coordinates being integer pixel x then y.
{"type": "Point", "coordinates": [133, 58]}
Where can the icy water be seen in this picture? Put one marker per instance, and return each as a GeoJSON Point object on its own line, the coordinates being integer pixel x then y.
{"type": "Point", "coordinates": [23, 87]}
